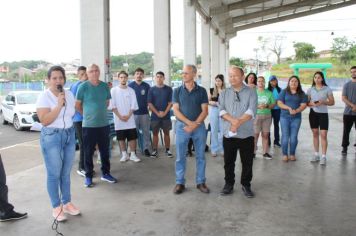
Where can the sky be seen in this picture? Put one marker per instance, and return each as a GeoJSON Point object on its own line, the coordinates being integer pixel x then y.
{"type": "Point", "coordinates": [50, 30]}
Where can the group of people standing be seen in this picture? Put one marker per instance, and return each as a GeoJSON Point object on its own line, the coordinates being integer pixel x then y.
{"type": "Point", "coordinates": [82, 112]}
{"type": "Point", "coordinates": [238, 115]}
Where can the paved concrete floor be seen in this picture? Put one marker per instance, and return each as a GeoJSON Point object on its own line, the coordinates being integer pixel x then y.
{"type": "Point", "coordinates": [291, 198]}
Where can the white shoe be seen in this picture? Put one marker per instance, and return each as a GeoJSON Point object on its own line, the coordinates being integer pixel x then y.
{"type": "Point", "coordinates": [323, 161]}
{"type": "Point", "coordinates": [124, 158]}
{"type": "Point", "coordinates": [315, 158]}
{"type": "Point", "coordinates": [134, 158]}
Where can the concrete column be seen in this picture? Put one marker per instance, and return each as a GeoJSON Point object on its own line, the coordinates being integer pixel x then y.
{"type": "Point", "coordinates": [227, 62]}
{"type": "Point", "coordinates": [162, 38]}
{"type": "Point", "coordinates": [222, 57]}
{"type": "Point", "coordinates": [95, 35]}
{"type": "Point", "coordinates": [190, 41]}
{"type": "Point", "coordinates": [205, 55]}
{"type": "Point", "coordinates": [215, 56]}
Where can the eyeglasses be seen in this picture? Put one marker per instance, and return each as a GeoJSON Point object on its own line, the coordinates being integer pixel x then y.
{"type": "Point", "coordinates": [237, 99]}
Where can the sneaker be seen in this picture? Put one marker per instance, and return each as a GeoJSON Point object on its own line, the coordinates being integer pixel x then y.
{"type": "Point", "coordinates": [88, 182]}
{"type": "Point", "coordinates": [267, 156]}
{"type": "Point", "coordinates": [108, 178]}
{"type": "Point", "coordinates": [124, 158]}
{"type": "Point", "coordinates": [12, 215]}
{"type": "Point", "coordinates": [323, 161]}
{"type": "Point", "coordinates": [147, 153]}
{"type": "Point", "coordinates": [344, 151]}
{"type": "Point", "coordinates": [81, 172]}
{"type": "Point", "coordinates": [134, 158]}
{"type": "Point", "coordinates": [248, 192]}
{"type": "Point", "coordinates": [168, 153]}
{"type": "Point", "coordinates": [315, 158]}
{"type": "Point", "coordinates": [70, 209]}
{"type": "Point", "coordinates": [154, 154]}
{"type": "Point", "coordinates": [277, 145]}
{"type": "Point", "coordinates": [228, 189]}
{"type": "Point", "coordinates": [214, 154]}
{"type": "Point", "coordinates": [58, 214]}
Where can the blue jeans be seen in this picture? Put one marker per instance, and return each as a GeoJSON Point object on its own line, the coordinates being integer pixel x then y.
{"type": "Point", "coordinates": [290, 128]}
{"type": "Point", "coordinates": [58, 150]}
{"type": "Point", "coordinates": [216, 135]}
{"type": "Point", "coordinates": [199, 140]}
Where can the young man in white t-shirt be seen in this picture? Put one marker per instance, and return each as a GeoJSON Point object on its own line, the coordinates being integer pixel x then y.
{"type": "Point", "coordinates": [124, 103]}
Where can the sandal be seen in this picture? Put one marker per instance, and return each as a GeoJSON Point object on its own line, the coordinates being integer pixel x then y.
{"type": "Point", "coordinates": [285, 159]}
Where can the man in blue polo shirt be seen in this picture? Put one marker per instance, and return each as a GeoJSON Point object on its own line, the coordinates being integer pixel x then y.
{"type": "Point", "coordinates": [78, 118]}
{"type": "Point", "coordinates": [190, 106]}
{"type": "Point", "coordinates": [142, 118]}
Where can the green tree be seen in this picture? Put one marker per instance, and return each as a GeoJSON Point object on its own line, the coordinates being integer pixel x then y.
{"type": "Point", "coordinates": [304, 51]}
{"type": "Point", "coordinates": [237, 62]}
{"type": "Point", "coordinates": [344, 49]}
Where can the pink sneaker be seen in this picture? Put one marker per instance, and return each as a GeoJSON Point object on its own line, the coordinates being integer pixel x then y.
{"type": "Point", "coordinates": [70, 209]}
{"type": "Point", "coordinates": [58, 214]}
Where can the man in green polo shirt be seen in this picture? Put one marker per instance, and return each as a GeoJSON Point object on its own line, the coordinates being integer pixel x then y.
{"type": "Point", "coordinates": [93, 98]}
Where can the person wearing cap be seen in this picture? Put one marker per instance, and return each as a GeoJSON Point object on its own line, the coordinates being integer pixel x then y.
{"type": "Point", "coordinates": [276, 110]}
{"type": "Point", "coordinates": [216, 131]}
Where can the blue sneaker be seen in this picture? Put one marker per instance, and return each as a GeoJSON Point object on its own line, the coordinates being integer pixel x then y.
{"type": "Point", "coordinates": [88, 182]}
{"type": "Point", "coordinates": [108, 178]}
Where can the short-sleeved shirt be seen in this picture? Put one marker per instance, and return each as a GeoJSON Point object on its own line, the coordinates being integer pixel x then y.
{"type": "Point", "coordinates": [293, 101]}
{"type": "Point", "coordinates": [124, 100]}
{"type": "Point", "coordinates": [237, 104]}
{"type": "Point", "coordinates": [318, 95]}
{"type": "Point", "coordinates": [141, 91]}
{"type": "Point", "coordinates": [48, 100]}
{"type": "Point", "coordinates": [275, 96]}
{"type": "Point", "coordinates": [160, 97]}
{"type": "Point", "coordinates": [94, 104]}
{"type": "Point", "coordinates": [190, 102]}
{"type": "Point", "coordinates": [349, 90]}
{"type": "Point", "coordinates": [264, 97]}
{"type": "Point", "coordinates": [74, 88]}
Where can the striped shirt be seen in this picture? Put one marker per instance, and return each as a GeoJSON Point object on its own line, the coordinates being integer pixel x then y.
{"type": "Point", "coordinates": [237, 104]}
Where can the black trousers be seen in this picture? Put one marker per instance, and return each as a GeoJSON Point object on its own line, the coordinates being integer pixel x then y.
{"type": "Point", "coordinates": [245, 147]}
{"type": "Point", "coordinates": [79, 135]}
{"type": "Point", "coordinates": [5, 206]}
{"type": "Point", "coordinates": [349, 121]}
{"type": "Point", "coordinates": [91, 137]}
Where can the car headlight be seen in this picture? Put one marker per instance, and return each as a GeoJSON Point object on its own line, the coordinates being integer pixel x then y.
{"type": "Point", "coordinates": [25, 113]}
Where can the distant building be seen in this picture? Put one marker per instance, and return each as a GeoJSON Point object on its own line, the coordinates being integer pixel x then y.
{"type": "Point", "coordinates": [325, 54]}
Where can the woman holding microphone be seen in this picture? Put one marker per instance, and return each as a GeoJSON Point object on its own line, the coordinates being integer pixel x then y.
{"type": "Point", "coordinates": [55, 110]}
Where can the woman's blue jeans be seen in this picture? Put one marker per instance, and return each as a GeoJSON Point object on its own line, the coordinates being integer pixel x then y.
{"type": "Point", "coordinates": [290, 128]}
{"type": "Point", "coordinates": [216, 135]}
{"type": "Point", "coordinates": [58, 149]}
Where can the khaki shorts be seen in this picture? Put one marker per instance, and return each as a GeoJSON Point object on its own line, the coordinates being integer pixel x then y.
{"type": "Point", "coordinates": [262, 123]}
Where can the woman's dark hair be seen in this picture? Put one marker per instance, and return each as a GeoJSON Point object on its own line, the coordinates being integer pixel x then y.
{"type": "Point", "coordinates": [254, 76]}
{"type": "Point", "coordinates": [215, 91]}
{"type": "Point", "coordinates": [57, 68]}
{"type": "Point", "coordinates": [270, 88]}
{"type": "Point", "coordinates": [322, 76]}
{"type": "Point", "coordinates": [300, 91]}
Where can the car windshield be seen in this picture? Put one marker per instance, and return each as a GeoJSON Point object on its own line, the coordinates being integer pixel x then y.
{"type": "Point", "coordinates": [27, 98]}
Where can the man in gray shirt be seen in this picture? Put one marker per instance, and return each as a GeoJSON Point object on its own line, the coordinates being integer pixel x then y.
{"type": "Point", "coordinates": [349, 119]}
{"type": "Point", "coordinates": [238, 106]}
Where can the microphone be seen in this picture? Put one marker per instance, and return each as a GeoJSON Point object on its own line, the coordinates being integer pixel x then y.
{"type": "Point", "coordinates": [60, 89]}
